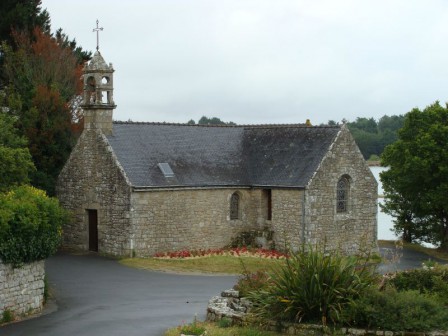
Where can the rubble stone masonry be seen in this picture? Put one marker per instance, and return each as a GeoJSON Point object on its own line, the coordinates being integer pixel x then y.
{"type": "Point", "coordinates": [22, 289]}
{"type": "Point", "coordinates": [141, 222]}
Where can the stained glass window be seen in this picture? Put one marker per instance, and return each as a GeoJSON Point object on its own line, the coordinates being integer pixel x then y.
{"type": "Point", "coordinates": [342, 194]}
{"type": "Point", "coordinates": [235, 206]}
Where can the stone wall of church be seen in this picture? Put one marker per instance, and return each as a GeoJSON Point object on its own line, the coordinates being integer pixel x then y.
{"type": "Point", "coordinates": [146, 222]}
{"type": "Point", "coordinates": [22, 288]}
{"type": "Point", "coordinates": [92, 179]}
{"type": "Point", "coordinates": [356, 228]}
{"type": "Point", "coordinates": [287, 218]}
{"type": "Point", "coordinates": [172, 220]}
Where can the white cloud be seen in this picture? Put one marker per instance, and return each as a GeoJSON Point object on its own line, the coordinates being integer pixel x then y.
{"type": "Point", "coordinates": [258, 61]}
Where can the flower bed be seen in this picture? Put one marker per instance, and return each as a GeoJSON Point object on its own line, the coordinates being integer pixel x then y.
{"type": "Point", "coordinates": [236, 252]}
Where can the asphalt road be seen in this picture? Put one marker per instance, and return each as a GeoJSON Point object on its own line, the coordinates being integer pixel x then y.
{"type": "Point", "coordinates": [98, 296]}
{"type": "Point", "coordinates": [402, 259]}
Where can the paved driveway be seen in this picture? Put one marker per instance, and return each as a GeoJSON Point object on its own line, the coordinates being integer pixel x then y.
{"type": "Point", "coordinates": [97, 296]}
{"type": "Point", "coordinates": [402, 259]}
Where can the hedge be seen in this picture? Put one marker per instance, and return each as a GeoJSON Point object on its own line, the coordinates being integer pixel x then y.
{"type": "Point", "coordinates": [30, 225]}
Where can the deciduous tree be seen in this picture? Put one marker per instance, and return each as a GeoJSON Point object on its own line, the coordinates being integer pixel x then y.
{"type": "Point", "coordinates": [15, 159]}
{"type": "Point", "coordinates": [416, 184]}
{"type": "Point", "coordinates": [45, 73]}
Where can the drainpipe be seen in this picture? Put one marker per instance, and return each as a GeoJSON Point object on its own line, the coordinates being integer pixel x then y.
{"type": "Point", "coordinates": [132, 229]}
{"type": "Point", "coordinates": [303, 217]}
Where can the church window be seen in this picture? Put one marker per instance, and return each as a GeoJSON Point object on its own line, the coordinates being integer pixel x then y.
{"type": "Point", "coordinates": [235, 206]}
{"type": "Point", "coordinates": [268, 197]}
{"type": "Point", "coordinates": [342, 194]}
{"type": "Point", "coordinates": [166, 169]}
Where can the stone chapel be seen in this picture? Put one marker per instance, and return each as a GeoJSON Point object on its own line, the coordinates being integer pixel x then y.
{"type": "Point", "coordinates": [135, 189]}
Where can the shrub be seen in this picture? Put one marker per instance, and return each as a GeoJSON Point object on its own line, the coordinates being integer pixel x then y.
{"type": "Point", "coordinates": [312, 286]}
{"type": "Point", "coordinates": [30, 225]}
{"type": "Point", "coordinates": [431, 281]}
{"type": "Point", "coordinates": [396, 311]}
{"type": "Point", "coordinates": [194, 328]}
{"type": "Point", "coordinates": [422, 280]}
{"type": "Point", "coordinates": [250, 282]}
{"type": "Point", "coordinates": [8, 316]}
{"type": "Point", "coordinates": [225, 322]}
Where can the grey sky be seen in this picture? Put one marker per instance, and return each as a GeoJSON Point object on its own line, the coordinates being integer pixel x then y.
{"type": "Point", "coordinates": [265, 61]}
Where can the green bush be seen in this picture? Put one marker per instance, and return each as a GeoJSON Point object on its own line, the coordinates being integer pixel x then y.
{"type": "Point", "coordinates": [312, 286]}
{"type": "Point", "coordinates": [423, 280]}
{"type": "Point", "coordinates": [433, 281]}
{"type": "Point", "coordinates": [396, 311]}
{"type": "Point", "coordinates": [194, 328]}
{"type": "Point", "coordinates": [225, 322]}
{"type": "Point", "coordinates": [250, 282]}
{"type": "Point", "coordinates": [8, 316]}
{"type": "Point", "coordinates": [30, 225]}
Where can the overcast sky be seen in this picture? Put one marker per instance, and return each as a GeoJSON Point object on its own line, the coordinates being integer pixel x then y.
{"type": "Point", "coordinates": [265, 61]}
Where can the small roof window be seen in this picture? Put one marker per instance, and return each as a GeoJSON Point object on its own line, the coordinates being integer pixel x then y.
{"type": "Point", "coordinates": [166, 169]}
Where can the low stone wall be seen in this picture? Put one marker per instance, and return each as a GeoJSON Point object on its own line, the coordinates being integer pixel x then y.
{"type": "Point", "coordinates": [22, 289]}
{"type": "Point", "coordinates": [229, 305]}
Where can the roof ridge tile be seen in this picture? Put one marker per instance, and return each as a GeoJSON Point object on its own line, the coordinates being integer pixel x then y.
{"type": "Point", "coordinates": [155, 123]}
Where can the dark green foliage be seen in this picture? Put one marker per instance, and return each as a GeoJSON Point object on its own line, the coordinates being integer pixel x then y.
{"type": "Point", "coordinates": [19, 15]}
{"type": "Point", "coordinates": [46, 289]}
{"type": "Point", "coordinates": [194, 328]}
{"type": "Point", "coordinates": [213, 121]}
{"type": "Point", "coordinates": [372, 137]}
{"type": "Point", "coordinates": [15, 167]}
{"type": "Point", "coordinates": [312, 286]}
{"type": "Point", "coordinates": [15, 159]}
{"type": "Point", "coordinates": [22, 15]}
{"type": "Point", "coordinates": [416, 183]}
{"type": "Point", "coordinates": [396, 311]}
{"type": "Point", "coordinates": [8, 316]}
{"type": "Point", "coordinates": [249, 282]}
{"type": "Point", "coordinates": [225, 322]}
{"type": "Point", "coordinates": [44, 72]}
{"type": "Point", "coordinates": [64, 41]}
{"type": "Point", "coordinates": [421, 280]}
{"type": "Point", "coordinates": [430, 281]}
{"type": "Point", "coordinates": [413, 300]}
{"type": "Point", "coordinates": [30, 225]}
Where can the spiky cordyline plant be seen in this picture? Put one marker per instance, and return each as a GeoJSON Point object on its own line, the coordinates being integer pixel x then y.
{"type": "Point", "coordinates": [312, 286]}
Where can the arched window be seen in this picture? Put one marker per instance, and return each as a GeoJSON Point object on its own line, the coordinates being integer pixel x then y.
{"type": "Point", "coordinates": [235, 206]}
{"type": "Point", "coordinates": [342, 194]}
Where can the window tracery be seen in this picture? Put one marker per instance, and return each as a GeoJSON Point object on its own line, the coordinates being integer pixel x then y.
{"type": "Point", "coordinates": [235, 206]}
{"type": "Point", "coordinates": [342, 194]}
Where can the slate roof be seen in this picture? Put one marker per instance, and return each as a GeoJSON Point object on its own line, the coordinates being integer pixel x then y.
{"type": "Point", "coordinates": [213, 156]}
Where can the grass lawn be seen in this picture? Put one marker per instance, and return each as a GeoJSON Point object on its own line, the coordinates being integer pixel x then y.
{"type": "Point", "coordinates": [214, 330]}
{"type": "Point", "coordinates": [208, 265]}
{"type": "Point", "coordinates": [225, 264]}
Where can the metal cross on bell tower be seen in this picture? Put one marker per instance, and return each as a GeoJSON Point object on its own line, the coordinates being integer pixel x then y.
{"type": "Point", "coordinates": [97, 30]}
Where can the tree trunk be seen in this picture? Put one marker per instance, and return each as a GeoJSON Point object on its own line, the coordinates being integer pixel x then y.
{"type": "Point", "coordinates": [444, 236]}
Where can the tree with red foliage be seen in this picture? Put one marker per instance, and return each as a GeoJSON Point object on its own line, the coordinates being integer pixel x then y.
{"type": "Point", "coordinates": [44, 71]}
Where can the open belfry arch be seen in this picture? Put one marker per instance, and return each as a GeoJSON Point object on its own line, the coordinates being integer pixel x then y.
{"type": "Point", "coordinates": [98, 92]}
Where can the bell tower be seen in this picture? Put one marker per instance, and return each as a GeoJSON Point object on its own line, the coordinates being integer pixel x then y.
{"type": "Point", "coordinates": [98, 101]}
